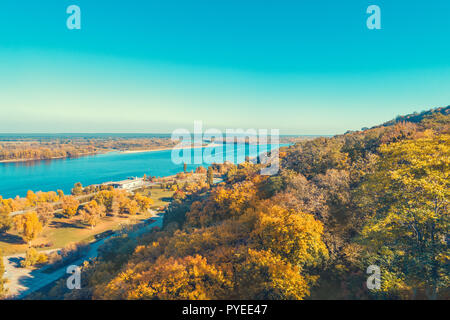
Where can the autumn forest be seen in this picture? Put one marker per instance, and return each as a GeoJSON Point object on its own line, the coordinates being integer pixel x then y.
{"type": "Point", "coordinates": [378, 196]}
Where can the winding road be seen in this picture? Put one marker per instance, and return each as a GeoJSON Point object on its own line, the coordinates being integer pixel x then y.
{"type": "Point", "coordinates": [22, 281]}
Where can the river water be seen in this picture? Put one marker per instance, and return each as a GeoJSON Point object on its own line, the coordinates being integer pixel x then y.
{"type": "Point", "coordinates": [47, 175]}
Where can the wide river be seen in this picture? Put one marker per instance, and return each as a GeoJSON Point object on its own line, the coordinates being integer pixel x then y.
{"type": "Point", "coordinates": [47, 175]}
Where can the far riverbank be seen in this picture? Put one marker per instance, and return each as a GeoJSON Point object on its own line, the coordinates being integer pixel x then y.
{"type": "Point", "coordinates": [53, 158]}
{"type": "Point", "coordinates": [212, 145]}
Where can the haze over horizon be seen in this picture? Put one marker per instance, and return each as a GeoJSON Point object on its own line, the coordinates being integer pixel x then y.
{"type": "Point", "coordinates": [303, 68]}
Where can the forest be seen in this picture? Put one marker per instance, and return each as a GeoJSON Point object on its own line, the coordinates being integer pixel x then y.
{"type": "Point", "coordinates": [38, 148]}
{"type": "Point", "coordinates": [378, 196]}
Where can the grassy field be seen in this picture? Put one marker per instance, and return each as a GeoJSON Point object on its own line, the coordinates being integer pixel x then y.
{"type": "Point", "coordinates": [161, 197]}
{"type": "Point", "coordinates": [62, 231]}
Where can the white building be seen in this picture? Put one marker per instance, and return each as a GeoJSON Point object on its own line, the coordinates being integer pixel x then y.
{"type": "Point", "coordinates": [128, 184]}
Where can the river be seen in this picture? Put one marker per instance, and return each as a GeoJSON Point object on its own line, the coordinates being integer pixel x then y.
{"type": "Point", "coordinates": [50, 175]}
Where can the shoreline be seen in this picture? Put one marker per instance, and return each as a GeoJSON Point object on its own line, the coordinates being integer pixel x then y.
{"type": "Point", "coordinates": [211, 145]}
{"type": "Point", "coordinates": [166, 149]}
{"type": "Point", "coordinates": [109, 151]}
{"type": "Point", "coordinates": [52, 158]}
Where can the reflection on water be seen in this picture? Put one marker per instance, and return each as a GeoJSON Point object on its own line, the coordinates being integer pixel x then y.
{"type": "Point", "coordinates": [31, 163]}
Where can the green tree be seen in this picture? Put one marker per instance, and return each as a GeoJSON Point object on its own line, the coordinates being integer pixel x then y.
{"type": "Point", "coordinates": [407, 233]}
{"type": "Point", "coordinates": [77, 189]}
{"type": "Point", "coordinates": [210, 176]}
{"type": "Point", "coordinates": [316, 156]}
{"type": "Point", "coordinates": [271, 186]}
{"type": "Point", "coordinates": [60, 194]}
{"type": "Point", "coordinates": [5, 220]}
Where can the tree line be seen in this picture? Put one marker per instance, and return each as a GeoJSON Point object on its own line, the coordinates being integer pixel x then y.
{"type": "Point", "coordinates": [43, 149]}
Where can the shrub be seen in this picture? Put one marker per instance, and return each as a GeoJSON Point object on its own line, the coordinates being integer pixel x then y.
{"type": "Point", "coordinates": [33, 258]}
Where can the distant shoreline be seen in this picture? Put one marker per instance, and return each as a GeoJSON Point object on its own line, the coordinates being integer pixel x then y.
{"type": "Point", "coordinates": [108, 151]}
{"type": "Point", "coordinates": [52, 158]}
{"type": "Point", "coordinates": [211, 145]}
{"type": "Point", "coordinates": [166, 149]}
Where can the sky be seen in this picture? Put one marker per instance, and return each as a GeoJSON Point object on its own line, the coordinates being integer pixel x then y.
{"type": "Point", "coordinates": [304, 67]}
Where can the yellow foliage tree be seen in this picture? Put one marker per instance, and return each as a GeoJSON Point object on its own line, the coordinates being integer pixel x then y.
{"type": "Point", "coordinates": [169, 279]}
{"type": "Point", "coordinates": [45, 212]}
{"type": "Point", "coordinates": [294, 236]}
{"type": "Point", "coordinates": [92, 212]}
{"type": "Point", "coordinates": [223, 203]}
{"type": "Point", "coordinates": [263, 275]}
{"type": "Point", "coordinates": [408, 233]}
{"type": "Point", "coordinates": [33, 257]}
{"type": "Point", "coordinates": [70, 206]}
{"type": "Point", "coordinates": [3, 289]}
{"type": "Point", "coordinates": [144, 203]}
{"type": "Point", "coordinates": [28, 226]}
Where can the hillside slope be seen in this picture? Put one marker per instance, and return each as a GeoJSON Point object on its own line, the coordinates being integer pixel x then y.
{"type": "Point", "coordinates": [338, 205]}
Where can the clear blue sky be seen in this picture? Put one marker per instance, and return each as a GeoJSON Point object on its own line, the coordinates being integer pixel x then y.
{"type": "Point", "coordinates": [305, 67]}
